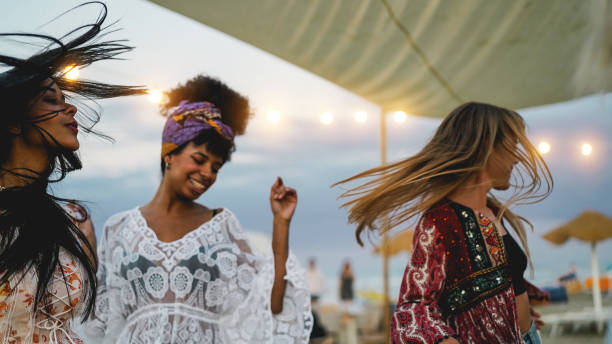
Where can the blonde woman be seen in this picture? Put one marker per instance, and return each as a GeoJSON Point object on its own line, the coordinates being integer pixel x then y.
{"type": "Point", "coordinates": [464, 282]}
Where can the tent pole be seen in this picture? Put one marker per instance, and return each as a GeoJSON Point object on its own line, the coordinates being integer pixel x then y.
{"type": "Point", "coordinates": [385, 225]}
{"type": "Point", "coordinates": [596, 289]}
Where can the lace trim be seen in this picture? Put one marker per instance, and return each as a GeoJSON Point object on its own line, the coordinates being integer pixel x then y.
{"type": "Point", "coordinates": [149, 233]}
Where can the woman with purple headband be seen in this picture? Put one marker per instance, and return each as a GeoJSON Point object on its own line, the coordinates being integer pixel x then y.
{"type": "Point", "coordinates": [176, 271]}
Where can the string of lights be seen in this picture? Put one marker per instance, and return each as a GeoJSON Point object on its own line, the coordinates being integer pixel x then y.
{"type": "Point", "coordinates": [326, 118]}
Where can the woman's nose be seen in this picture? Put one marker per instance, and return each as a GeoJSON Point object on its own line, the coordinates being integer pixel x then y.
{"type": "Point", "coordinates": [206, 171]}
{"type": "Point", "coordinates": [71, 109]}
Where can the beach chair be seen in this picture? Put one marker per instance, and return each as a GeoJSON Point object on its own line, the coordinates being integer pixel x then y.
{"type": "Point", "coordinates": [577, 319]}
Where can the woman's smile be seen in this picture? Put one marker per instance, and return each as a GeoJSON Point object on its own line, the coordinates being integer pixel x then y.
{"type": "Point", "coordinates": [198, 187]}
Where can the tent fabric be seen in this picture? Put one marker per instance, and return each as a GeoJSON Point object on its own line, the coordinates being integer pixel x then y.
{"type": "Point", "coordinates": [426, 57]}
{"type": "Point", "coordinates": [589, 226]}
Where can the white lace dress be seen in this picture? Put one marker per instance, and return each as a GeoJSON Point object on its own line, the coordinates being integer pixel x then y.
{"type": "Point", "coordinates": [207, 287]}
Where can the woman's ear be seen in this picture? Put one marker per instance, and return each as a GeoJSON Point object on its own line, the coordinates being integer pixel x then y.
{"type": "Point", "coordinates": [168, 160]}
{"type": "Point", "coordinates": [14, 130]}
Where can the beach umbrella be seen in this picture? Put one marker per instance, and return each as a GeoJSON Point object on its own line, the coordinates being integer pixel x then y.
{"type": "Point", "coordinates": [401, 242]}
{"type": "Point", "coordinates": [591, 227]}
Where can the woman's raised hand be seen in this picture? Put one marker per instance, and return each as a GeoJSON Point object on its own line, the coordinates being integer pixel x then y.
{"type": "Point", "coordinates": [283, 200]}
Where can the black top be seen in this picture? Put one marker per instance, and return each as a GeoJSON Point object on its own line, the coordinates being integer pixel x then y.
{"type": "Point", "coordinates": [518, 263]}
{"type": "Point", "coordinates": [346, 288]}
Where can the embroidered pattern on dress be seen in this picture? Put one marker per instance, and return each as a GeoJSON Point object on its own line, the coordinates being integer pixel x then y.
{"type": "Point", "coordinates": [490, 272]}
{"type": "Point", "coordinates": [441, 257]}
{"type": "Point", "coordinates": [492, 240]}
{"type": "Point", "coordinates": [417, 318]}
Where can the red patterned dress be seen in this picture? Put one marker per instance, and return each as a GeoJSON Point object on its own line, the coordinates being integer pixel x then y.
{"type": "Point", "coordinates": [457, 283]}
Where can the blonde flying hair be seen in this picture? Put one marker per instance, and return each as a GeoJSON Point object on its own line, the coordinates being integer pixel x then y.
{"type": "Point", "coordinates": [458, 151]}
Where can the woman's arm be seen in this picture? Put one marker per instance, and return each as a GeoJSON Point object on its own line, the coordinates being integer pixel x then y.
{"type": "Point", "coordinates": [418, 318]}
{"type": "Point", "coordinates": [283, 201]}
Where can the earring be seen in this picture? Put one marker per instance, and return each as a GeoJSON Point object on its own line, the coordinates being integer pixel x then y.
{"type": "Point", "coordinates": [167, 166]}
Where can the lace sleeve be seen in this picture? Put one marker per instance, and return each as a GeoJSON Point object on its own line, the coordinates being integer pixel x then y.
{"type": "Point", "coordinates": [418, 318]}
{"type": "Point", "coordinates": [294, 323]}
{"type": "Point", "coordinates": [106, 321]}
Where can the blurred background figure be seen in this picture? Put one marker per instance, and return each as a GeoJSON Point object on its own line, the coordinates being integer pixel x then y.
{"type": "Point", "coordinates": [318, 287]}
{"type": "Point", "coordinates": [316, 280]}
{"type": "Point", "coordinates": [346, 283]}
{"type": "Point", "coordinates": [569, 276]}
{"type": "Point", "coordinates": [348, 328]}
{"type": "Point", "coordinates": [348, 321]}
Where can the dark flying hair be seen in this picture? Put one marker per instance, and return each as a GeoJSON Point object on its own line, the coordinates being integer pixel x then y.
{"type": "Point", "coordinates": [234, 107]}
{"type": "Point", "coordinates": [33, 225]}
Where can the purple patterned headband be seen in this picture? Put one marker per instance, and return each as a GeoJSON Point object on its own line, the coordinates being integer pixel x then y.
{"type": "Point", "coordinates": [187, 120]}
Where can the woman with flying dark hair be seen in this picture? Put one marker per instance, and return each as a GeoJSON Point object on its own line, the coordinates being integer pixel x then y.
{"type": "Point", "coordinates": [176, 271]}
{"type": "Point", "coordinates": [47, 251]}
{"type": "Point", "coordinates": [464, 282]}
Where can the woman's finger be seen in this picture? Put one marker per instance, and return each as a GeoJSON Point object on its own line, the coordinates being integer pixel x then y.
{"type": "Point", "coordinates": [276, 187]}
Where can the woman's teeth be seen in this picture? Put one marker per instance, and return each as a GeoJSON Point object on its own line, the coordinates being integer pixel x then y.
{"type": "Point", "coordinates": [198, 185]}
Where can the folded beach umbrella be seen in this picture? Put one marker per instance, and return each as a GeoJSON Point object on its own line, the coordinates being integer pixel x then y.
{"type": "Point", "coordinates": [591, 227]}
{"type": "Point", "coordinates": [401, 242]}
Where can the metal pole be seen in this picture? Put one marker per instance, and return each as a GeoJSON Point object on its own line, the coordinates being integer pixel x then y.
{"type": "Point", "coordinates": [596, 290]}
{"type": "Point", "coordinates": [385, 225]}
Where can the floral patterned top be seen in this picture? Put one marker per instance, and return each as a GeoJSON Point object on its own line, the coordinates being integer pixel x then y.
{"type": "Point", "coordinates": [457, 282]}
{"type": "Point", "coordinates": [210, 286]}
{"type": "Point", "coordinates": [19, 323]}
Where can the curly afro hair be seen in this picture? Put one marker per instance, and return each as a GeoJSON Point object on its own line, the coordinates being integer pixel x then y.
{"type": "Point", "coordinates": [235, 109]}
{"type": "Point", "coordinates": [235, 112]}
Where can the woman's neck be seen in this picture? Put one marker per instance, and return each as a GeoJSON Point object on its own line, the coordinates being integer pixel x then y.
{"type": "Point", "coordinates": [24, 164]}
{"type": "Point", "coordinates": [473, 194]}
{"type": "Point", "coordinates": [166, 201]}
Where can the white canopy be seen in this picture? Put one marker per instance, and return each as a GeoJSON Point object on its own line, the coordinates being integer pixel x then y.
{"type": "Point", "coordinates": [424, 56]}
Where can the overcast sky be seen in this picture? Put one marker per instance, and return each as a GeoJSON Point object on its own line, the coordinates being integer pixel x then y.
{"type": "Point", "coordinates": [310, 156]}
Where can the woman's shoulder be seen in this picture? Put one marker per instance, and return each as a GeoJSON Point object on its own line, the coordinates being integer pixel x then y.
{"type": "Point", "coordinates": [442, 215]}
{"type": "Point", "coordinates": [228, 218]}
{"type": "Point", "coordinates": [225, 215]}
{"type": "Point", "coordinates": [116, 220]}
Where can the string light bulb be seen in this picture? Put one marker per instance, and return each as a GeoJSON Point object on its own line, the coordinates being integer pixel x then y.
{"type": "Point", "coordinates": [587, 149]}
{"type": "Point", "coordinates": [155, 96]}
{"type": "Point", "coordinates": [399, 116]}
{"type": "Point", "coordinates": [71, 72]}
{"type": "Point", "coordinates": [327, 118]}
{"type": "Point", "coordinates": [544, 147]}
{"type": "Point", "coordinates": [361, 116]}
